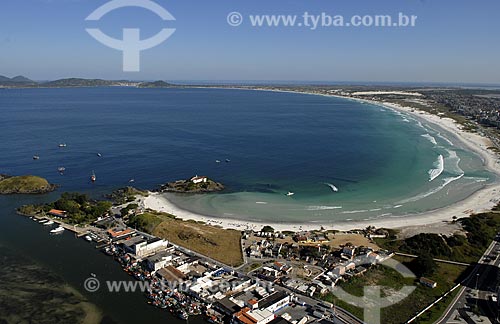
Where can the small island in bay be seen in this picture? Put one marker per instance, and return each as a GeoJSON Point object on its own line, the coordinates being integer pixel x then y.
{"type": "Point", "coordinates": [196, 184]}
{"type": "Point", "coordinates": [27, 184]}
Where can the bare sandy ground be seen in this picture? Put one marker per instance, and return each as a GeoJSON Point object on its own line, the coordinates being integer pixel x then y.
{"type": "Point", "coordinates": [481, 201]}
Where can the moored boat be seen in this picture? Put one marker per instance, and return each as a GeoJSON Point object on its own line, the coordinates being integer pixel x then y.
{"type": "Point", "coordinates": [57, 230]}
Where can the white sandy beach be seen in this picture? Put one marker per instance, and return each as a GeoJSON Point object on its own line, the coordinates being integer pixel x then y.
{"type": "Point", "coordinates": [480, 201]}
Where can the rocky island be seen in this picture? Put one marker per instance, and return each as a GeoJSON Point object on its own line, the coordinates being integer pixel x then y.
{"type": "Point", "coordinates": [196, 184]}
{"type": "Point", "coordinates": [26, 184]}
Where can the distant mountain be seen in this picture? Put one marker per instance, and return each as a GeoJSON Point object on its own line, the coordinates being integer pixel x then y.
{"type": "Point", "coordinates": [21, 79]}
{"type": "Point", "coordinates": [23, 82]}
{"type": "Point", "coordinates": [155, 84]}
{"type": "Point", "coordinates": [76, 82]}
{"type": "Point", "coordinates": [18, 80]}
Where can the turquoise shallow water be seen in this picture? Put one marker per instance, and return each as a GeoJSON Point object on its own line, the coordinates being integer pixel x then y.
{"type": "Point", "coordinates": [380, 161]}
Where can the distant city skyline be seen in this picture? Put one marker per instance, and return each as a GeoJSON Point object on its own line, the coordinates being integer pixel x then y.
{"type": "Point", "coordinates": [451, 42]}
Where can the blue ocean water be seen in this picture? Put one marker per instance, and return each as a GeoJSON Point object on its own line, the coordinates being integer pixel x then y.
{"type": "Point", "coordinates": [380, 161]}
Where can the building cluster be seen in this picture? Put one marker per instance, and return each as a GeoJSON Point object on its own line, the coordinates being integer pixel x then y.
{"type": "Point", "coordinates": [480, 108]}
{"type": "Point", "coordinates": [308, 266]}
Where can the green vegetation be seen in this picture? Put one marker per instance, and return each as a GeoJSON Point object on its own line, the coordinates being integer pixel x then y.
{"type": "Point", "coordinates": [126, 195]}
{"type": "Point", "coordinates": [187, 186]}
{"type": "Point", "coordinates": [267, 229]}
{"type": "Point", "coordinates": [216, 243]}
{"type": "Point", "coordinates": [146, 222]}
{"type": "Point", "coordinates": [27, 184]}
{"type": "Point", "coordinates": [446, 275]}
{"type": "Point", "coordinates": [126, 210]}
{"type": "Point", "coordinates": [80, 209]}
{"type": "Point", "coordinates": [480, 228]}
{"type": "Point", "coordinates": [424, 265]}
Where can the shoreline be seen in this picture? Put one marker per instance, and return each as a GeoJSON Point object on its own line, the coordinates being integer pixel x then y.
{"type": "Point", "coordinates": [480, 201]}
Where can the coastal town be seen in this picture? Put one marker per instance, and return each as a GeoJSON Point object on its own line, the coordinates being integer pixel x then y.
{"type": "Point", "coordinates": [284, 276]}
{"type": "Point", "coordinates": [285, 273]}
{"type": "Point", "coordinates": [283, 289]}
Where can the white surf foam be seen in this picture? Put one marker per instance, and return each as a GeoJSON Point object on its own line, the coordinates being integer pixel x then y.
{"type": "Point", "coordinates": [355, 211]}
{"type": "Point", "coordinates": [452, 162]}
{"type": "Point", "coordinates": [323, 207]}
{"type": "Point", "coordinates": [439, 168]}
{"type": "Point", "coordinates": [430, 138]}
{"type": "Point", "coordinates": [446, 182]}
{"type": "Point", "coordinates": [334, 189]}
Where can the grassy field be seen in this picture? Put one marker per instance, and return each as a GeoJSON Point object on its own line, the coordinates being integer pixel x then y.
{"type": "Point", "coordinates": [219, 244]}
{"type": "Point", "coordinates": [24, 184]}
{"type": "Point", "coordinates": [446, 276]}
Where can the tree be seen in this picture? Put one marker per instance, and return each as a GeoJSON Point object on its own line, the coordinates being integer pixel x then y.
{"type": "Point", "coordinates": [424, 265]}
{"type": "Point", "coordinates": [267, 229]}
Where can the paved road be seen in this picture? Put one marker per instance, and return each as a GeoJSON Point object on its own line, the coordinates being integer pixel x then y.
{"type": "Point", "coordinates": [475, 277]}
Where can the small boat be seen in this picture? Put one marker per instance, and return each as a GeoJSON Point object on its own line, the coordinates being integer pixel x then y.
{"type": "Point", "coordinates": [62, 145]}
{"type": "Point", "coordinates": [36, 157]}
{"type": "Point", "coordinates": [217, 161]}
{"type": "Point", "coordinates": [61, 169]}
{"type": "Point", "coordinates": [93, 178]}
{"type": "Point", "coordinates": [42, 221]}
{"type": "Point", "coordinates": [228, 160]}
{"type": "Point", "coordinates": [48, 223]}
{"type": "Point", "coordinates": [57, 230]}
{"type": "Point", "coordinates": [290, 193]}
{"type": "Point", "coordinates": [88, 238]}
{"type": "Point", "coordinates": [99, 154]}
{"type": "Point", "coordinates": [131, 180]}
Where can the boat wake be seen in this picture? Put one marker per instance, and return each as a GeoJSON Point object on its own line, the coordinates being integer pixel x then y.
{"type": "Point", "coordinates": [334, 189]}
{"type": "Point", "coordinates": [439, 168]}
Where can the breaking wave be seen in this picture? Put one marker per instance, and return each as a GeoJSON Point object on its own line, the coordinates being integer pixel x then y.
{"type": "Point", "coordinates": [446, 182]}
{"type": "Point", "coordinates": [430, 138]}
{"type": "Point", "coordinates": [439, 168]}
{"type": "Point", "coordinates": [323, 207]}
{"type": "Point", "coordinates": [334, 189]}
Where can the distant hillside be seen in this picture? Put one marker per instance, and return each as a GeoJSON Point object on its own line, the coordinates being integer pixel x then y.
{"type": "Point", "coordinates": [18, 80]}
{"type": "Point", "coordinates": [155, 84]}
{"type": "Point", "coordinates": [23, 82]}
{"type": "Point", "coordinates": [77, 82]}
{"type": "Point", "coordinates": [21, 79]}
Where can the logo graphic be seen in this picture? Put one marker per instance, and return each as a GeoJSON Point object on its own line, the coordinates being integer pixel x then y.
{"type": "Point", "coordinates": [92, 284]}
{"type": "Point", "coordinates": [372, 301]}
{"type": "Point", "coordinates": [131, 45]}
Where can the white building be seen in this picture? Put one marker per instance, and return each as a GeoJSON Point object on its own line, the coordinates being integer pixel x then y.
{"type": "Point", "coordinates": [150, 247]}
{"type": "Point", "coordinates": [198, 179]}
{"type": "Point", "coordinates": [160, 260]}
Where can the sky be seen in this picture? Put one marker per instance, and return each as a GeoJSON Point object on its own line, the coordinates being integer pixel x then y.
{"type": "Point", "coordinates": [453, 41]}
